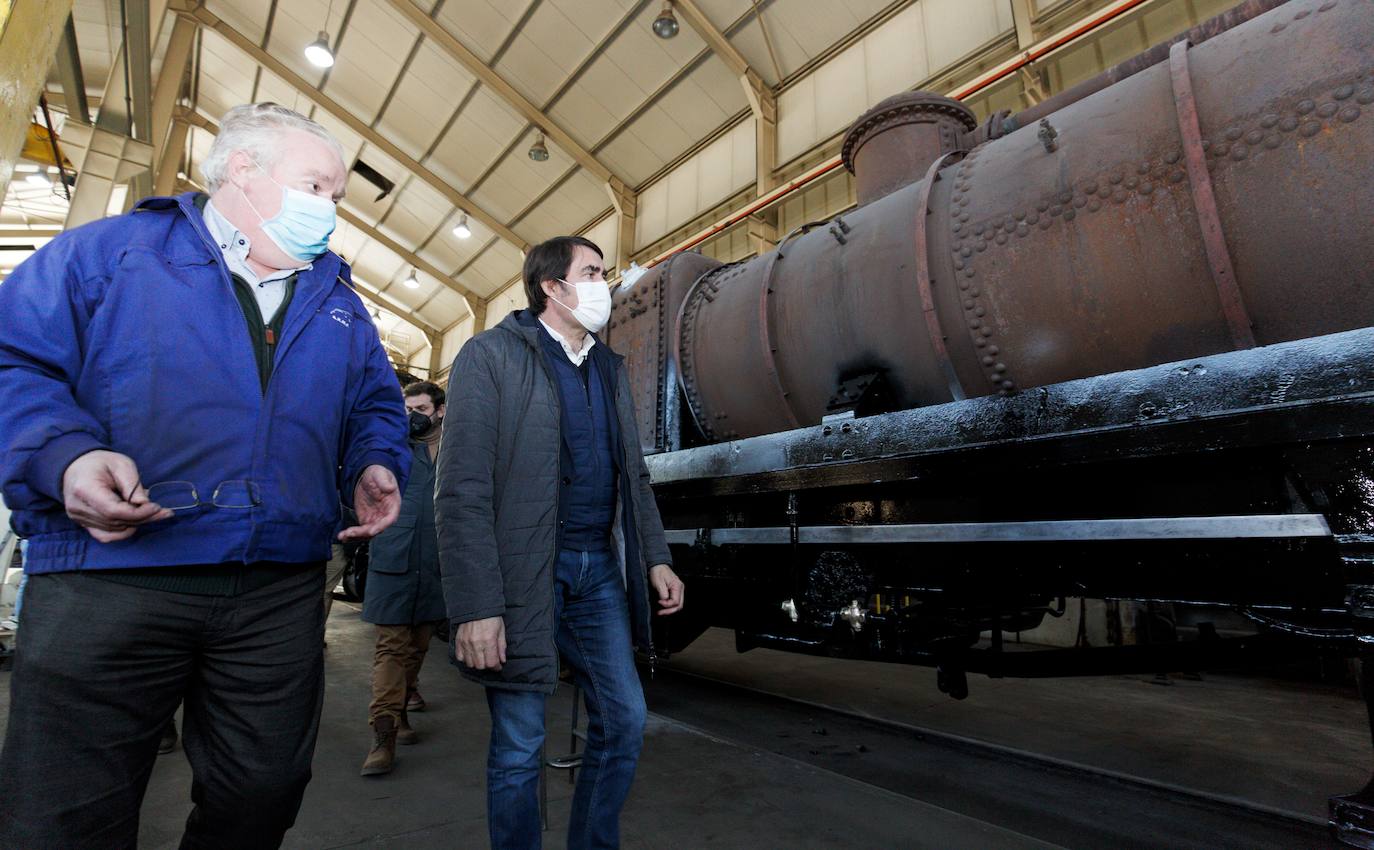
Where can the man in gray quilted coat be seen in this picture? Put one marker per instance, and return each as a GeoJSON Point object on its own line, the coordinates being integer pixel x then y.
{"type": "Point", "coordinates": [550, 541]}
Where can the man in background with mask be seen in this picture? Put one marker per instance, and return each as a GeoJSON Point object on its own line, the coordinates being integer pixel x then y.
{"type": "Point", "coordinates": [190, 391]}
{"type": "Point", "coordinates": [403, 594]}
{"type": "Point", "coordinates": [550, 541]}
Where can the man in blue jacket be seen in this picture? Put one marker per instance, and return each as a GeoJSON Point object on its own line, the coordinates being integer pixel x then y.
{"type": "Point", "coordinates": [189, 391]}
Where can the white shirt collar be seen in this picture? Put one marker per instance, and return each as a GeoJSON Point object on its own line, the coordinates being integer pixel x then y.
{"type": "Point", "coordinates": [235, 246]}
{"type": "Point", "coordinates": [575, 356]}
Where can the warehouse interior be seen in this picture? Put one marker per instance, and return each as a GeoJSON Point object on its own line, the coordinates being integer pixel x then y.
{"type": "Point", "coordinates": [473, 130]}
{"type": "Point", "coordinates": [644, 143]}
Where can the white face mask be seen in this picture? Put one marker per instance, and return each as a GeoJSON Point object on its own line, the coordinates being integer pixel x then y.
{"type": "Point", "coordinates": [593, 303]}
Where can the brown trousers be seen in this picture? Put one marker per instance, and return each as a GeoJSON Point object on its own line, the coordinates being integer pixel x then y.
{"type": "Point", "coordinates": [396, 667]}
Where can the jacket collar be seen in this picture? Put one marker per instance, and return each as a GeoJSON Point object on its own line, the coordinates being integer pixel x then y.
{"type": "Point", "coordinates": [327, 267]}
{"type": "Point", "coordinates": [525, 325]}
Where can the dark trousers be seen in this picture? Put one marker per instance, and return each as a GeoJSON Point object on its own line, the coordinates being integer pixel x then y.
{"type": "Point", "coordinates": [99, 669]}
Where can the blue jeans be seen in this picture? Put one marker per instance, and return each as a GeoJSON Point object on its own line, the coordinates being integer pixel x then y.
{"type": "Point", "coordinates": [593, 634]}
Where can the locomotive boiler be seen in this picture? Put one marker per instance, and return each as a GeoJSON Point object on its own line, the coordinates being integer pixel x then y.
{"type": "Point", "coordinates": [1116, 347]}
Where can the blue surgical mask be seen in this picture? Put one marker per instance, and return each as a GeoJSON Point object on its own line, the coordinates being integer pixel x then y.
{"type": "Point", "coordinates": [302, 227]}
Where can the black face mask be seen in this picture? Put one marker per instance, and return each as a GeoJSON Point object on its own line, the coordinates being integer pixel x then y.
{"type": "Point", "coordinates": [420, 424]}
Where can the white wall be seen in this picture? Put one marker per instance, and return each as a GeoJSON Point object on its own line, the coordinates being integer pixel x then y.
{"type": "Point", "coordinates": [703, 180]}
{"type": "Point", "coordinates": [508, 299]}
{"type": "Point", "coordinates": [915, 45]}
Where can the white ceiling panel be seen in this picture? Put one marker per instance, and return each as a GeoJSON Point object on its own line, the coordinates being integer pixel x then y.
{"type": "Point", "coordinates": [247, 16]}
{"type": "Point", "coordinates": [547, 49]}
{"type": "Point", "coordinates": [723, 13]}
{"type": "Point", "coordinates": [631, 157]}
{"type": "Point", "coordinates": [807, 28]}
{"type": "Point", "coordinates": [582, 116]}
{"type": "Point", "coordinates": [361, 199]}
{"type": "Point", "coordinates": [375, 22]}
{"type": "Point", "coordinates": [347, 240]}
{"type": "Point", "coordinates": [446, 306]}
{"type": "Point", "coordinates": [353, 86]}
{"type": "Point", "coordinates": [482, 26]}
{"type": "Point", "coordinates": [439, 251]}
{"type": "Point", "coordinates": [441, 74]}
{"type": "Point", "coordinates": [409, 127]}
{"type": "Point", "coordinates": [497, 265]}
{"type": "Point", "coordinates": [593, 18]}
{"type": "Point", "coordinates": [720, 84]}
{"type": "Point", "coordinates": [405, 227]}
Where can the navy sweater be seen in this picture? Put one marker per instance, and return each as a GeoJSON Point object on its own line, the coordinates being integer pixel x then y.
{"type": "Point", "coordinates": [588, 454]}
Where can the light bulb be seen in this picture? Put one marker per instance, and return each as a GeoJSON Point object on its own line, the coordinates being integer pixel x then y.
{"type": "Point", "coordinates": [318, 51]}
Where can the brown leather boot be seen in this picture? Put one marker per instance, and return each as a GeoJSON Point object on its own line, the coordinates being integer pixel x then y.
{"type": "Point", "coordinates": [404, 734]}
{"type": "Point", "coordinates": [383, 754]}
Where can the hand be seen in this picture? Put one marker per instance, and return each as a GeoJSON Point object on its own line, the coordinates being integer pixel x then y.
{"type": "Point", "coordinates": [102, 493]}
{"type": "Point", "coordinates": [669, 588]}
{"type": "Point", "coordinates": [377, 501]}
{"type": "Point", "coordinates": [481, 644]}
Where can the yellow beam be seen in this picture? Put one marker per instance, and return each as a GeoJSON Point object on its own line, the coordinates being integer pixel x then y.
{"type": "Point", "coordinates": [29, 34]}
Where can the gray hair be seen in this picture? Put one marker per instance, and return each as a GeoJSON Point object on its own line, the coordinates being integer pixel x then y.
{"type": "Point", "coordinates": [254, 128]}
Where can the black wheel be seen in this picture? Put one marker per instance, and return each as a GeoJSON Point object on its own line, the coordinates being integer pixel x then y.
{"type": "Point", "coordinates": [355, 574]}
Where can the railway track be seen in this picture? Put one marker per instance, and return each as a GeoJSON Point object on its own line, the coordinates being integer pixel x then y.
{"type": "Point", "coordinates": [1061, 802]}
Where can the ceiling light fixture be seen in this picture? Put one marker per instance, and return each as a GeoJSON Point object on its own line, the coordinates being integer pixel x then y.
{"type": "Point", "coordinates": [665, 25]}
{"type": "Point", "coordinates": [539, 151]}
{"type": "Point", "coordinates": [412, 282]}
{"type": "Point", "coordinates": [461, 229]}
{"type": "Point", "coordinates": [318, 51]}
{"type": "Point", "coordinates": [38, 178]}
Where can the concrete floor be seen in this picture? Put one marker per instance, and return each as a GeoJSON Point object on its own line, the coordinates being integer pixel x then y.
{"type": "Point", "coordinates": [691, 791]}
{"type": "Point", "coordinates": [1283, 745]}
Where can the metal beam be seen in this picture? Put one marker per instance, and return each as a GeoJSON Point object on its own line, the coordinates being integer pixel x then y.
{"type": "Point", "coordinates": [1259, 526]}
{"type": "Point", "coordinates": [380, 299]}
{"type": "Point", "coordinates": [352, 218]}
{"type": "Point", "coordinates": [107, 153]}
{"type": "Point", "coordinates": [465, 57]}
{"type": "Point", "coordinates": [1023, 13]}
{"type": "Point", "coordinates": [174, 64]}
{"type": "Point", "coordinates": [33, 231]}
{"type": "Point", "coordinates": [414, 259]}
{"type": "Point", "coordinates": [207, 19]}
{"type": "Point", "coordinates": [70, 77]}
{"type": "Point", "coordinates": [714, 38]}
{"type": "Point", "coordinates": [626, 204]}
{"type": "Point", "coordinates": [165, 173]}
{"type": "Point", "coordinates": [28, 41]}
{"type": "Point", "coordinates": [139, 24]}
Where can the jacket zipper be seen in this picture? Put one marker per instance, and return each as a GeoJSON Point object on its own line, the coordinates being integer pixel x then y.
{"type": "Point", "coordinates": [645, 607]}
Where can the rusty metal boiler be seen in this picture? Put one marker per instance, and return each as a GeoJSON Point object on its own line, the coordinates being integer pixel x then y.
{"type": "Point", "coordinates": [1219, 200]}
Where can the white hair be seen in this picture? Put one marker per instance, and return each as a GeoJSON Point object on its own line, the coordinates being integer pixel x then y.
{"type": "Point", "coordinates": [255, 128]}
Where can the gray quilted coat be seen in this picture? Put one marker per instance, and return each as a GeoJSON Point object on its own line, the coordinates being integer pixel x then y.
{"type": "Point", "coordinates": [496, 500]}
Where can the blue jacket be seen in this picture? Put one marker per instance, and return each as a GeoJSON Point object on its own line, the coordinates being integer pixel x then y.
{"type": "Point", "coordinates": [126, 335]}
